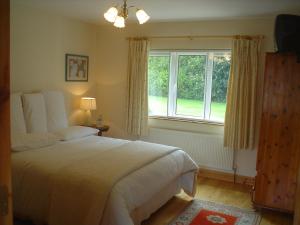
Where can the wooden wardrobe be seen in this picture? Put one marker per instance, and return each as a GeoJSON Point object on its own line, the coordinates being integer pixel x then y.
{"type": "Point", "coordinates": [279, 145]}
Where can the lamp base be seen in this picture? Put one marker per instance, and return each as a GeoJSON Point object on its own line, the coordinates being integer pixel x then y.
{"type": "Point", "coordinates": [88, 120]}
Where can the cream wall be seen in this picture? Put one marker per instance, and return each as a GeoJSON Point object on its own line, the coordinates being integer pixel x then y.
{"type": "Point", "coordinates": [39, 42]}
{"type": "Point", "coordinates": [112, 63]}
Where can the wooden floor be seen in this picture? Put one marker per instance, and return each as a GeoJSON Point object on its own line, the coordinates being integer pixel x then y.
{"type": "Point", "coordinates": [216, 191]}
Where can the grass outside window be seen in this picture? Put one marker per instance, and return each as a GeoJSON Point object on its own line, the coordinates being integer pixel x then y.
{"type": "Point", "coordinates": [157, 106]}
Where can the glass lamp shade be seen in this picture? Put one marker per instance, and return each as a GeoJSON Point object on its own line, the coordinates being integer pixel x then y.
{"type": "Point", "coordinates": [88, 103]}
{"type": "Point", "coordinates": [119, 22]}
{"type": "Point", "coordinates": [142, 16]}
{"type": "Point", "coordinates": [111, 14]}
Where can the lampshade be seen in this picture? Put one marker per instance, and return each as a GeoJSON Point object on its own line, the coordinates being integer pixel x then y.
{"type": "Point", "coordinates": [111, 14]}
{"type": "Point", "coordinates": [88, 103]}
{"type": "Point", "coordinates": [118, 15]}
{"type": "Point", "coordinates": [119, 22]}
{"type": "Point", "coordinates": [142, 16]}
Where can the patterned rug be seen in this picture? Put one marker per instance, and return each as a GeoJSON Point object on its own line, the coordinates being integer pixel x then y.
{"type": "Point", "coordinates": [208, 213]}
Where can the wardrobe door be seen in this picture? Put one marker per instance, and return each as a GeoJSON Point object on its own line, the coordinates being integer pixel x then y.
{"type": "Point", "coordinates": [297, 205]}
{"type": "Point", "coordinates": [5, 179]}
{"type": "Point", "coordinates": [279, 145]}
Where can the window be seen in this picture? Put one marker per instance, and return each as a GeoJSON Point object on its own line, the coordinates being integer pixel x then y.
{"type": "Point", "coordinates": [188, 84]}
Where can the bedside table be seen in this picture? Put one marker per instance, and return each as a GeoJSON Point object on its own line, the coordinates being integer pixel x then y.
{"type": "Point", "coordinates": [101, 129]}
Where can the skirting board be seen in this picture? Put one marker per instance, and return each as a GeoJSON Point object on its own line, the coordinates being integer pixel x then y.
{"type": "Point", "coordinates": [205, 173]}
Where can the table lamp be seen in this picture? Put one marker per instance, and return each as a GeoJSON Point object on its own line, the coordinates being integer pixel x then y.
{"type": "Point", "coordinates": [88, 104]}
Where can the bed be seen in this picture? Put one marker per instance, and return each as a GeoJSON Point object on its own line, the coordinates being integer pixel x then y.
{"type": "Point", "coordinates": [71, 176]}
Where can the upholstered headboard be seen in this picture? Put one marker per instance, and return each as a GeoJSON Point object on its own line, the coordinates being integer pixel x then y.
{"type": "Point", "coordinates": [38, 112]}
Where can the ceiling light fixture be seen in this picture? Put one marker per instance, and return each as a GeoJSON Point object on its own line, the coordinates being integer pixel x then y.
{"type": "Point", "coordinates": [119, 16]}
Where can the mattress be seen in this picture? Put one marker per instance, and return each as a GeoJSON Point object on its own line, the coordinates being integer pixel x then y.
{"type": "Point", "coordinates": [131, 200]}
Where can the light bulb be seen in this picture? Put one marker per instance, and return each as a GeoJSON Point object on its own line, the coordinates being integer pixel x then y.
{"type": "Point", "coordinates": [142, 16]}
{"type": "Point", "coordinates": [119, 22]}
{"type": "Point", "coordinates": [111, 14]}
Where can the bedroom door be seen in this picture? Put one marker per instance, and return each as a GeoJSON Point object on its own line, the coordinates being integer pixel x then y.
{"type": "Point", "coordinates": [5, 173]}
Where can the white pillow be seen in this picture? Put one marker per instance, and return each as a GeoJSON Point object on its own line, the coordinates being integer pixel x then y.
{"type": "Point", "coordinates": [35, 113]}
{"type": "Point", "coordinates": [16, 115]}
{"type": "Point", "coordinates": [74, 132]}
{"type": "Point", "coordinates": [24, 142]}
{"type": "Point", "coordinates": [56, 112]}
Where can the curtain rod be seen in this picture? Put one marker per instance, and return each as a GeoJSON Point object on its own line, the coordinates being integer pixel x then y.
{"type": "Point", "coordinates": [191, 37]}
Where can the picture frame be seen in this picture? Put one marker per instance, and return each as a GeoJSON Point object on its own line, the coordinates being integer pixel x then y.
{"type": "Point", "coordinates": [77, 68]}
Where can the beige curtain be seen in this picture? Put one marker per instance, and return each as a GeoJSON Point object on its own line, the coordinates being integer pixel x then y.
{"type": "Point", "coordinates": [137, 84]}
{"type": "Point", "coordinates": [240, 118]}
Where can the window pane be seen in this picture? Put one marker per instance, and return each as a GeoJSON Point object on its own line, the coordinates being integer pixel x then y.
{"type": "Point", "coordinates": [158, 82]}
{"type": "Point", "coordinates": [190, 85]}
{"type": "Point", "coordinates": [220, 76]}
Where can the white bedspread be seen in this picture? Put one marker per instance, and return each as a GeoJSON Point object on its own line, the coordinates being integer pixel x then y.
{"type": "Point", "coordinates": [133, 191]}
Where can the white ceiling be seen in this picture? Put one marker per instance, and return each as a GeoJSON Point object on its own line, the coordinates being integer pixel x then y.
{"type": "Point", "coordinates": [170, 10]}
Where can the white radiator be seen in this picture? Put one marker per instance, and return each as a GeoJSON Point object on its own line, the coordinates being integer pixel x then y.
{"type": "Point", "coordinates": [206, 149]}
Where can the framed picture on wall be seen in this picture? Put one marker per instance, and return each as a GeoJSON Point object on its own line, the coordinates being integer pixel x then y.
{"type": "Point", "coordinates": [77, 67]}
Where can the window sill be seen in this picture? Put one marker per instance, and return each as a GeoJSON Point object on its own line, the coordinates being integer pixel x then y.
{"type": "Point", "coordinates": [188, 120]}
{"type": "Point", "coordinates": [186, 125]}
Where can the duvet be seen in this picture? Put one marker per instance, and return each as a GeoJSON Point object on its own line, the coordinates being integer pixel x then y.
{"type": "Point", "coordinates": [97, 180]}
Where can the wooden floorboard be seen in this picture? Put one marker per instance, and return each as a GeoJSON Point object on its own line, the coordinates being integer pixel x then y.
{"type": "Point", "coordinates": [217, 191]}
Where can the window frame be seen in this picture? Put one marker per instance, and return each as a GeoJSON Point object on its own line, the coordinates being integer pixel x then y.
{"type": "Point", "coordinates": [172, 84]}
